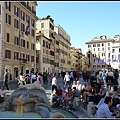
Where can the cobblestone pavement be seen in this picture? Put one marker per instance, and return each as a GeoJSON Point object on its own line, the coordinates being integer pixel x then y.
{"type": "Point", "coordinates": [79, 112]}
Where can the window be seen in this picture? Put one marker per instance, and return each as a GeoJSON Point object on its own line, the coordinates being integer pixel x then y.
{"type": "Point", "coordinates": [102, 44]}
{"type": "Point", "coordinates": [27, 44]}
{"type": "Point", "coordinates": [8, 6]}
{"type": "Point", "coordinates": [98, 49]}
{"type": "Point", "coordinates": [98, 66]}
{"type": "Point", "coordinates": [32, 58]}
{"type": "Point", "coordinates": [22, 43]}
{"type": "Point", "coordinates": [27, 19]}
{"type": "Point", "coordinates": [113, 50]}
{"type": "Point", "coordinates": [22, 55]}
{"type": "Point", "coordinates": [108, 44]}
{"type": "Point", "coordinates": [43, 43]}
{"type": "Point", "coordinates": [22, 27]}
{"type": "Point", "coordinates": [32, 46]}
{"type": "Point", "coordinates": [51, 26]}
{"type": "Point", "coordinates": [102, 49]}
{"type": "Point", "coordinates": [103, 66]}
{"type": "Point", "coordinates": [32, 33]}
{"type": "Point", "coordinates": [42, 25]}
{"type": "Point", "coordinates": [94, 45]}
{"type": "Point", "coordinates": [118, 56]}
{"type": "Point", "coordinates": [0, 10]}
{"type": "Point", "coordinates": [28, 57]}
{"type": "Point", "coordinates": [108, 48]}
{"type": "Point", "coordinates": [119, 50]}
{"type": "Point", "coordinates": [108, 55]}
{"type": "Point", "coordinates": [16, 40]}
{"type": "Point", "coordinates": [32, 7]}
{"type": "Point", "coordinates": [16, 25]}
{"type": "Point", "coordinates": [94, 66]}
{"type": "Point", "coordinates": [8, 19]}
{"type": "Point", "coordinates": [33, 22]}
{"type": "Point", "coordinates": [8, 54]}
{"type": "Point", "coordinates": [89, 46]}
{"type": "Point", "coordinates": [22, 15]}
{"type": "Point", "coordinates": [16, 55]}
{"type": "Point", "coordinates": [8, 37]}
{"type": "Point", "coordinates": [16, 11]}
{"type": "Point", "coordinates": [98, 45]}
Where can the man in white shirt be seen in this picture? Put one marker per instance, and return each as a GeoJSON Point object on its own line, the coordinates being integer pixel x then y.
{"type": "Point", "coordinates": [54, 83]}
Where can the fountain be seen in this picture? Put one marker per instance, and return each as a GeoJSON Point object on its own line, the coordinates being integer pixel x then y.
{"type": "Point", "coordinates": [29, 101]}
{"type": "Point", "coordinates": [29, 98]}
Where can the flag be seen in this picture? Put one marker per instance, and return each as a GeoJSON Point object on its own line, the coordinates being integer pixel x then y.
{"type": "Point", "coordinates": [27, 30]}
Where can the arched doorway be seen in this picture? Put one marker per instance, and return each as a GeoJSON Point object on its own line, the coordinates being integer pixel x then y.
{"type": "Point", "coordinates": [16, 72]}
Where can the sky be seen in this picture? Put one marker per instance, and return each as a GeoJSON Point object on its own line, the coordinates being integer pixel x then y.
{"type": "Point", "coordinates": [83, 20]}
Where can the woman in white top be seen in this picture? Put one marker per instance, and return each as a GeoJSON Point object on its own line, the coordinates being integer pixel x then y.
{"type": "Point", "coordinates": [79, 86]}
{"type": "Point", "coordinates": [74, 84]}
{"type": "Point", "coordinates": [54, 83]}
{"type": "Point", "coordinates": [67, 80]}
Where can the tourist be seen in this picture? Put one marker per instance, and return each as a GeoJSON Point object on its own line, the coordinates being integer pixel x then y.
{"type": "Point", "coordinates": [67, 80]}
{"type": "Point", "coordinates": [76, 96]}
{"type": "Point", "coordinates": [79, 86]}
{"type": "Point", "coordinates": [102, 93]}
{"type": "Point", "coordinates": [104, 111]}
{"type": "Point", "coordinates": [74, 84]}
{"type": "Point", "coordinates": [6, 79]}
{"type": "Point", "coordinates": [2, 94]}
{"type": "Point", "coordinates": [54, 83]}
{"type": "Point", "coordinates": [45, 79]}
{"type": "Point", "coordinates": [40, 78]}
{"type": "Point", "coordinates": [22, 79]}
{"type": "Point", "coordinates": [57, 97]}
{"type": "Point", "coordinates": [68, 98]}
{"type": "Point", "coordinates": [87, 92]}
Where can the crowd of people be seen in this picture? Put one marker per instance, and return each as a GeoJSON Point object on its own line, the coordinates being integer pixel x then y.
{"type": "Point", "coordinates": [93, 86]}
{"type": "Point", "coordinates": [100, 87]}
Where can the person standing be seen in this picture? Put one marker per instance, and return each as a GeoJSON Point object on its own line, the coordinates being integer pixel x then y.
{"type": "Point", "coordinates": [67, 80]}
{"type": "Point", "coordinates": [40, 78]}
{"type": "Point", "coordinates": [54, 83]}
{"type": "Point", "coordinates": [6, 79]}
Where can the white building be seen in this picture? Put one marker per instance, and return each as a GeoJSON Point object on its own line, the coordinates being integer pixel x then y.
{"type": "Point", "coordinates": [116, 52]}
{"type": "Point", "coordinates": [99, 53]}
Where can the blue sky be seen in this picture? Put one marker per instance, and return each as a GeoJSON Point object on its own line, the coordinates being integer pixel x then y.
{"type": "Point", "coordinates": [83, 20]}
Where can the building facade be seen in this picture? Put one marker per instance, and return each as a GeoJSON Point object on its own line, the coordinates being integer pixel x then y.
{"type": "Point", "coordinates": [42, 53]}
{"type": "Point", "coordinates": [84, 67]}
{"type": "Point", "coordinates": [64, 49]}
{"type": "Point", "coordinates": [116, 52]}
{"type": "Point", "coordinates": [59, 46]}
{"type": "Point", "coordinates": [1, 37]}
{"type": "Point", "coordinates": [46, 26]}
{"type": "Point", "coordinates": [18, 48]}
{"type": "Point", "coordinates": [99, 53]}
